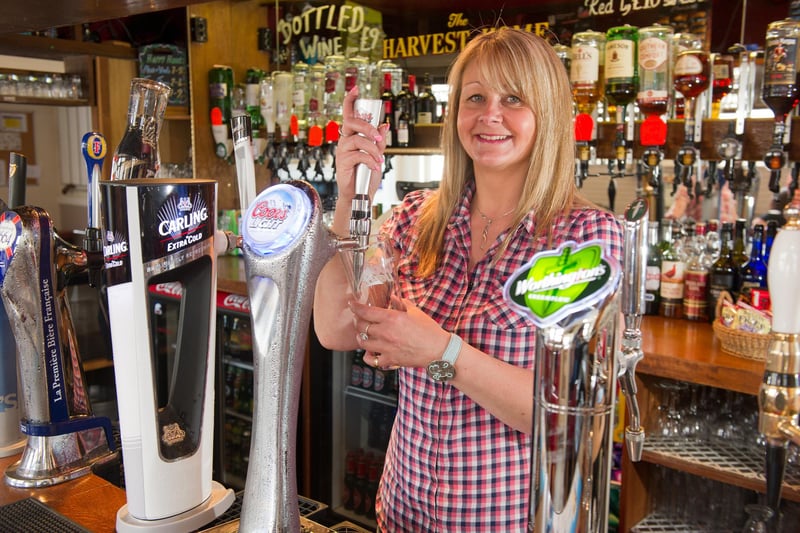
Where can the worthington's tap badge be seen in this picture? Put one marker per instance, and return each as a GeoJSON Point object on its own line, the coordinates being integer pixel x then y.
{"type": "Point", "coordinates": [556, 283]}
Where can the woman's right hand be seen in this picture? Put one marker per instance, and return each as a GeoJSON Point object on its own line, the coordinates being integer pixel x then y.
{"type": "Point", "coordinates": [359, 142]}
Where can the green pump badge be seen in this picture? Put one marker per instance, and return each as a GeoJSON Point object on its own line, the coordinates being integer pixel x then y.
{"type": "Point", "coordinates": [557, 283]}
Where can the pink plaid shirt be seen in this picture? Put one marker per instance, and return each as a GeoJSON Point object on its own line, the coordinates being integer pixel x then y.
{"type": "Point", "coordinates": [451, 466]}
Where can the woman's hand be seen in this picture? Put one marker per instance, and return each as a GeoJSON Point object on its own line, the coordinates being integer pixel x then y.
{"type": "Point", "coordinates": [398, 338]}
{"type": "Point", "coordinates": [360, 142]}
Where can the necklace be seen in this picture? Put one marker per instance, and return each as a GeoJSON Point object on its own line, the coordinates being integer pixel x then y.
{"type": "Point", "coordinates": [487, 224]}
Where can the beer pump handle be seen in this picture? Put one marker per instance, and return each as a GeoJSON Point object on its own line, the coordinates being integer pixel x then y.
{"type": "Point", "coordinates": [633, 305]}
{"type": "Point", "coordinates": [779, 394]}
{"type": "Point", "coordinates": [242, 132]}
{"type": "Point", "coordinates": [94, 149]}
{"type": "Point", "coordinates": [368, 109]}
{"type": "Point", "coordinates": [17, 174]}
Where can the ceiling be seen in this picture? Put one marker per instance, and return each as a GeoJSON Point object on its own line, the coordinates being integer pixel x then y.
{"type": "Point", "coordinates": [37, 15]}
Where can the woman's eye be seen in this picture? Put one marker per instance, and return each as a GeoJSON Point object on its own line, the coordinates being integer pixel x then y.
{"type": "Point", "coordinates": [475, 98]}
{"type": "Point", "coordinates": [515, 100]}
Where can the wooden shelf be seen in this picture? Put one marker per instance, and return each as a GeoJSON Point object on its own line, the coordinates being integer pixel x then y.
{"type": "Point", "coordinates": [8, 99]}
{"type": "Point", "coordinates": [97, 364]}
{"type": "Point", "coordinates": [47, 48]}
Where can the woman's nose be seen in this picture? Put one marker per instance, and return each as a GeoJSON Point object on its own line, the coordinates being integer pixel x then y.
{"type": "Point", "coordinates": [493, 111]}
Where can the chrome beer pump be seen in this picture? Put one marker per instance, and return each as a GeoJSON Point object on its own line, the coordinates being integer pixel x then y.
{"type": "Point", "coordinates": [160, 230]}
{"type": "Point", "coordinates": [572, 295]}
{"type": "Point", "coordinates": [779, 395]}
{"type": "Point", "coordinates": [64, 439]}
{"type": "Point", "coordinates": [11, 439]}
{"type": "Point", "coordinates": [284, 244]}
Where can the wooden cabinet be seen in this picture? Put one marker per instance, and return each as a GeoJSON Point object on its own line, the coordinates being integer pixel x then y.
{"type": "Point", "coordinates": [688, 352]}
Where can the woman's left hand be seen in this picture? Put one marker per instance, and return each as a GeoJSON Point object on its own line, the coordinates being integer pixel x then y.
{"type": "Point", "coordinates": [398, 338]}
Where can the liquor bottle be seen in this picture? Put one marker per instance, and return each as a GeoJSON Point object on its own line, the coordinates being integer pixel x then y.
{"type": "Point", "coordinates": [772, 230]}
{"type": "Point", "coordinates": [252, 99]}
{"type": "Point", "coordinates": [586, 69]}
{"type": "Point", "coordinates": [652, 283]}
{"type": "Point", "coordinates": [722, 277]}
{"type": "Point", "coordinates": [713, 242]}
{"type": "Point", "coordinates": [754, 272]}
{"type": "Point", "coordinates": [723, 81]}
{"type": "Point", "coordinates": [781, 86]}
{"type": "Point", "coordinates": [404, 107]}
{"type": "Point", "coordinates": [695, 292]}
{"type": "Point", "coordinates": [387, 97]}
{"type": "Point", "coordinates": [267, 106]}
{"type": "Point", "coordinates": [426, 103]}
{"type": "Point", "coordinates": [672, 278]}
{"type": "Point", "coordinates": [740, 256]}
{"type": "Point", "coordinates": [691, 77]}
{"type": "Point", "coordinates": [621, 72]}
{"type": "Point", "coordinates": [655, 45]}
{"type": "Point", "coordinates": [334, 87]}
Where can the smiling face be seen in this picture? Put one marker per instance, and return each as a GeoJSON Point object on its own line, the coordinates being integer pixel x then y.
{"type": "Point", "coordinates": [496, 127]}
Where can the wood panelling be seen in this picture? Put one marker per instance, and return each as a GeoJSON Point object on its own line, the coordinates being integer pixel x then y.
{"type": "Point", "coordinates": [232, 41]}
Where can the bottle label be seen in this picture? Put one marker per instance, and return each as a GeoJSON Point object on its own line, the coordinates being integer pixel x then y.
{"type": "Point", "coordinates": [780, 68]}
{"type": "Point", "coordinates": [585, 66]}
{"type": "Point", "coordinates": [619, 58]}
{"type": "Point", "coordinates": [355, 375]}
{"type": "Point", "coordinates": [217, 91]}
{"type": "Point", "coordinates": [379, 380]}
{"type": "Point", "coordinates": [695, 296]}
{"type": "Point", "coordinates": [402, 134]}
{"type": "Point", "coordinates": [424, 117]}
{"type": "Point", "coordinates": [653, 54]}
{"type": "Point", "coordinates": [687, 65]}
{"type": "Point", "coordinates": [366, 377]}
{"type": "Point", "coordinates": [652, 280]}
{"type": "Point", "coordinates": [672, 276]}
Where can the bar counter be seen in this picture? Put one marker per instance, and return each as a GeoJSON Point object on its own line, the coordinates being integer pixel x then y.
{"type": "Point", "coordinates": [90, 501]}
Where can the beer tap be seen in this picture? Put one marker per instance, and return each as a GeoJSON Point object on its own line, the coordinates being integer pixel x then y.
{"type": "Point", "coordinates": [361, 211]}
{"type": "Point", "coordinates": [779, 394]}
{"type": "Point", "coordinates": [94, 149]}
{"type": "Point", "coordinates": [241, 132]}
{"type": "Point", "coordinates": [633, 309]}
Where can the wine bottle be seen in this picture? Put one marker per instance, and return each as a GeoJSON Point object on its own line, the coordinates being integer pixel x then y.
{"type": "Point", "coordinates": [387, 97]}
{"type": "Point", "coordinates": [754, 272]}
{"type": "Point", "coordinates": [722, 276]}
{"type": "Point", "coordinates": [698, 266]}
{"type": "Point", "coordinates": [652, 282]}
{"type": "Point", "coordinates": [621, 72]}
{"type": "Point", "coordinates": [426, 103]}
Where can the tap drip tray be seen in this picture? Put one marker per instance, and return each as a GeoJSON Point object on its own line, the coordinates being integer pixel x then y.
{"type": "Point", "coordinates": [32, 516]}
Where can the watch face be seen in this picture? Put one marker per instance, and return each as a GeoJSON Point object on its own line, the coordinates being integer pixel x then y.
{"type": "Point", "coordinates": [441, 371]}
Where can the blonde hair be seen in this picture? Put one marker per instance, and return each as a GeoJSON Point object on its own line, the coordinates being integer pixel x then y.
{"type": "Point", "coordinates": [520, 63]}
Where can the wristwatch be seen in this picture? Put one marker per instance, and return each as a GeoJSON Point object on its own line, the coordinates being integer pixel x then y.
{"type": "Point", "coordinates": [444, 369]}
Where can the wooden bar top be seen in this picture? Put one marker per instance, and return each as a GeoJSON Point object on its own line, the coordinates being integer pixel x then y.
{"type": "Point", "coordinates": [689, 351]}
{"type": "Point", "coordinates": [89, 501]}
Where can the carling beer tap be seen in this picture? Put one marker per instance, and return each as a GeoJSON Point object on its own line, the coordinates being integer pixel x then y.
{"type": "Point", "coordinates": [779, 394]}
{"type": "Point", "coordinates": [158, 230]}
{"type": "Point", "coordinates": [780, 90]}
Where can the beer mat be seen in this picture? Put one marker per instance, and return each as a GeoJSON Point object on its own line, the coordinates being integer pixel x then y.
{"type": "Point", "coordinates": [32, 516]}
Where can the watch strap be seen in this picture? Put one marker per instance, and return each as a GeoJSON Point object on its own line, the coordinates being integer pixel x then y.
{"type": "Point", "coordinates": [444, 369]}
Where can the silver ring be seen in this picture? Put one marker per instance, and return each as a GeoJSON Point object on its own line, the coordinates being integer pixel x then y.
{"type": "Point", "coordinates": [363, 336]}
{"type": "Point", "coordinates": [366, 329]}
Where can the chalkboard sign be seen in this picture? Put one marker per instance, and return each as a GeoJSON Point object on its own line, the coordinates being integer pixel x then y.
{"type": "Point", "coordinates": [166, 63]}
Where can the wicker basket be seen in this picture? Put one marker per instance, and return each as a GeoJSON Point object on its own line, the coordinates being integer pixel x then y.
{"type": "Point", "coordinates": [742, 343]}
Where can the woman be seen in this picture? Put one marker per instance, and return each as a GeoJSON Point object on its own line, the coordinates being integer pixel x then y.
{"type": "Point", "coordinates": [458, 458]}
